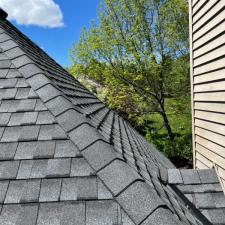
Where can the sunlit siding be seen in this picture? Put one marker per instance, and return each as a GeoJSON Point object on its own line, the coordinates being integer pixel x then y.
{"type": "Point", "coordinates": [207, 44]}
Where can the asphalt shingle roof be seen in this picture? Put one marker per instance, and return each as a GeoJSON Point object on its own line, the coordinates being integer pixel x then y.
{"type": "Point", "coordinates": [202, 188]}
{"type": "Point", "coordinates": [65, 158]}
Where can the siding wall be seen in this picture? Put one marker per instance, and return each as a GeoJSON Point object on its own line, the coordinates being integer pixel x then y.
{"type": "Point", "coordinates": [207, 43]}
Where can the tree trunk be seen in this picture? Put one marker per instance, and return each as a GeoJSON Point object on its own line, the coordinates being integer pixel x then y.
{"type": "Point", "coordinates": [169, 131]}
{"type": "Point", "coordinates": [168, 127]}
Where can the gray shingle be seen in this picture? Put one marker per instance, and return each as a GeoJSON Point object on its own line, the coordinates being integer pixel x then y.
{"type": "Point", "coordinates": [163, 174]}
{"type": "Point", "coordinates": [219, 199]}
{"type": "Point", "coordinates": [190, 176]}
{"type": "Point", "coordinates": [8, 45]}
{"type": "Point", "coordinates": [69, 189]}
{"type": "Point", "coordinates": [51, 132]}
{"type": "Point", "coordinates": [50, 190]}
{"type": "Point", "coordinates": [2, 55]}
{"type": "Point", "coordinates": [84, 135]}
{"type": "Point", "coordinates": [11, 134]}
{"type": "Point", "coordinates": [8, 169]}
{"type": "Point", "coordinates": [13, 73]}
{"type": "Point", "coordinates": [103, 192]}
{"type": "Point", "coordinates": [39, 168]}
{"type": "Point", "coordinates": [4, 118]}
{"type": "Point", "coordinates": [3, 73]}
{"type": "Point", "coordinates": [23, 93]}
{"type": "Point", "coordinates": [189, 197]}
{"type": "Point", "coordinates": [32, 94]}
{"type": "Point", "coordinates": [8, 83]}
{"type": "Point", "coordinates": [29, 133]}
{"type": "Point", "coordinates": [21, 83]}
{"type": "Point", "coordinates": [1, 131]}
{"type": "Point", "coordinates": [3, 190]}
{"type": "Point", "coordinates": [38, 81]}
{"type": "Point", "coordinates": [21, 60]}
{"type": "Point", "coordinates": [206, 214]}
{"type": "Point", "coordinates": [29, 70]}
{"type": "Point", "coordinates": [48, 92]}
{"type": "Point", "coordinates": [14, 191]}
{"type": "Point", "coordinates": [4, 37]}
{"type": "Point", "coordinates": [58, 105]}
{"type": "Point", "coordinates": [73, 213]}
{"type": "Point", "coordinates": [4, 64]}
{"type": "Point", "coordinates": [7, 150]}
{"type": "Point", "coordinates": [44, 149]}
{"type": "Point", "coordinates": [61, 213]}
{"type": "Point", "coordinates": [117, 176]}
{"type": "Point", "coordinates": [25, 150]}
{"type": "Point", "coordinates": [139, 200]}
{"type": "Point", "coordinates": [100, 154]}
{"type": "Point", "coordinates": [58, 167]}
{"type": "Point", "coordinates": [126, 219]}
{"type": "Point", "coordinates": [174, 176]}
{"type": "Point", "coordinates": [87, 188]}
{"type": "Point", "coordinates": [45, 117]}
{"type": "Point", "coordinates": [29, 118]}
{"type": "Point", "coordinates": [79, 188]}
{"type": "Point", "coordinates": [80, 167]}
{"type": "Point", "coordinates": [162, 216]}
{"type": "Point", "coordinates": [66, 149]}
{"type": "Point", "coordinates": [102, 213]}
{"type": "Point", "coordinates": [2, 92]}
{"type": "Point", "coordinates": [9, 105]}
{"type": "Point", "coordinates": [9, 93]}
{"type": "Point", "coordinates": [204, 200]}
{"type": "Point", "coordinates": [19, 214]}
{"type": "Point", "coordinates": [208, 176]}
{"type": "Point", "coordinates": [159, 187]}
{"type": "Point", "coordinates": [40, 106]}
{"type": "Point", "coordinates": [16, 119]}
{"type": "Point", "coordinates": [15, 52]}
{"type": "Point", "coordinates": [25, 169]}
{"type": "Point", "coordinates": [26, 105]}
{"type": "Point", "coordinates": [31, 190]}
{"type": "Point", "coordinates": [217, 216]}
{"type": "Point", "coordinates": [70, 119]}
{"type": "Point", "coordinates": [23, 191]}
{"type": "Point", "coordinates": [200, 188]}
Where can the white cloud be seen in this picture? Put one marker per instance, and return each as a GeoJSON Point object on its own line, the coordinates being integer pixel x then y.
{"type": "Point", "coordinates": [44, 13]}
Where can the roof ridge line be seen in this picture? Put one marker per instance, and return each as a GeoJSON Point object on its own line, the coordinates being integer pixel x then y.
{"type": "Point", "coordinates": [49, 93]}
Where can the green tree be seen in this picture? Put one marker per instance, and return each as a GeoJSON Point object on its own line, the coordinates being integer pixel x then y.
{"type": "Point", "coordinates": [138, 52]}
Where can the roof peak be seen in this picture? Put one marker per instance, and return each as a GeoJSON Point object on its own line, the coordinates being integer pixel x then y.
{"type": "Point", "coordinates": [3, 14]}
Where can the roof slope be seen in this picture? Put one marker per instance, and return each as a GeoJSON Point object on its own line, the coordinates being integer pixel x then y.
{"type": "Point", "coordinates": [66, 158]}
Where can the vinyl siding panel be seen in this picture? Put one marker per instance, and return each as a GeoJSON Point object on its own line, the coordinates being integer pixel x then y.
{"type": "Point", "coordinates": [207, 52]}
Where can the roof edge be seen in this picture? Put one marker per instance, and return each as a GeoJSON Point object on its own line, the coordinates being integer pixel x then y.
{"type": "Point", "coordinates": [3, 14]}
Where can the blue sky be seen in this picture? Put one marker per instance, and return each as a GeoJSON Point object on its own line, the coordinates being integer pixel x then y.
{"type": "Point", "coordinates": [57, 41]}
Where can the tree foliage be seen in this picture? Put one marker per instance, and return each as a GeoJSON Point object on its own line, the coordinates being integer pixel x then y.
{"type": "Point", "coordinates": [138, 54]}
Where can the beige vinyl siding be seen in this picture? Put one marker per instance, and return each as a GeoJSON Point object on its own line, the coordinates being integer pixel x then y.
{"type": "Point", "coordinates": [209, 77]}
{"type": "Point", "coordinates": [214, 33]}
{"type": "Point", "coordinates": [207, 53]}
